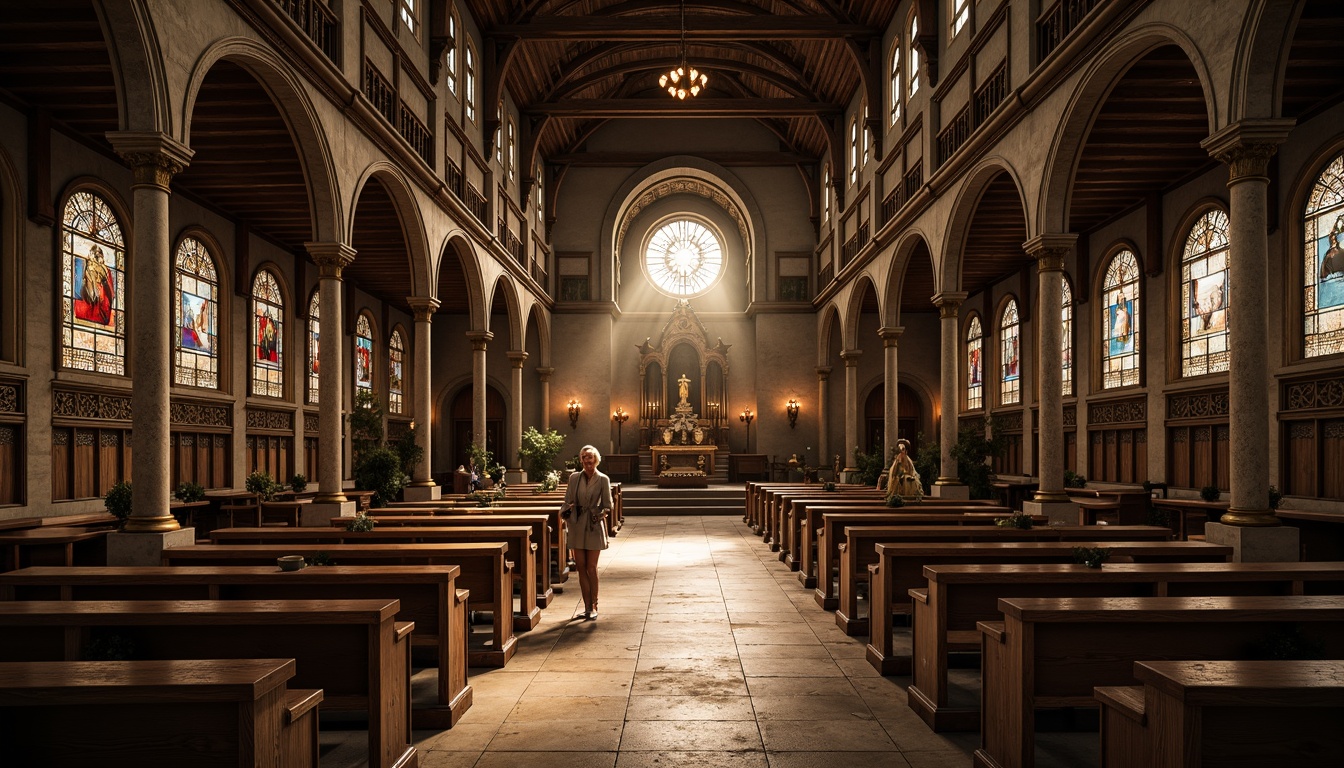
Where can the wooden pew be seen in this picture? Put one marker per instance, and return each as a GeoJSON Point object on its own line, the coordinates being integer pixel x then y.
{"type": "Point", "coordinates": [539, 524]}
{"type": "Point", "coordinates": [157, 714]}
{"type": "Point", "coordinates": [559, 540]}
{"type": "Point", "coordinates": [520, 550]}
{"type": "Point", "coordinates": [1224, 713]}
{"type": "Point", "coordinates": [1051, 652]}
{"type": "Point", "coordinates": [52, 545]}
{"type": "Point", "coordinates": [354, 650]}
{"type": "Point", "coordinates": [858, 550]}
{"type": "Point", "coordinates": [1188, 516]}
{"type": "Point", "coordinates": [485, 573]}
{"type": "Point", "coordinates": [900, 568]}
{"type": "Point", "coordinates": [960, 596]}
{"type": "Point", "coordinates": [795, 514]}
{"type": "Point", "coordinates": [777, 500]}
{"type": "Point", "coordinates": [428, 595]}
{"type": "Point", "coordinates": [90, 520]}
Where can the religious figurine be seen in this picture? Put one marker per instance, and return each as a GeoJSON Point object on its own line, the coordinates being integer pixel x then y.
{"type": "Point", "coordinates": [699, 435]}
{"type": "Point", "coordinates": [902, 479]}
{"type": "Point", "coordinates": [662, 463]}
{"type": "Point", "coordinates": [836, 466]}
{"type": "Point", "coordinates": [683, 389]}
{"type": "Point", "coordinates": [667, 436]}
{"type": "Point", "coordinates": [700, 463]}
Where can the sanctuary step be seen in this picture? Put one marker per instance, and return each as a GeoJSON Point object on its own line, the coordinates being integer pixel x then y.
{"type": "Point", "coordinates": [714, 500]}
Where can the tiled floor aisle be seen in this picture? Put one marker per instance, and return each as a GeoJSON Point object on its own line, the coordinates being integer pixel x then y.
{"type": "Point", "coordinates": [708, 652]}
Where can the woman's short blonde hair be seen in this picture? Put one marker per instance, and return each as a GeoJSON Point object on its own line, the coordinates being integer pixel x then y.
{"type": "Point", "coordinates": [593, 450]}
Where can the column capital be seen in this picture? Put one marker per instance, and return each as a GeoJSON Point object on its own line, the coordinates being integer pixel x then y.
{"type": "Point", "coordinates": [154, 157]}
{"type": "Point", "coordinates": [331, 258]}
{"type": "Point", "coordinates": [851, 357]}
{"type": "Point", "coordinates": [890, 334]}
{"type": "Point", "coordinates": [823, 372]}
{"type": "Point", "coordinates": [948, 302]}
{"type": "Point", "coordinates": [517, 358]}
{"type": "Point", "coordinates": [423, 308]}
{"type": "Point", "coordinates": [479, 339]}
{"type": "Point", "coordinates": [1049, 250]}
{"type": "Point", "coordinates": [1246, 146]}
{"type": "Point", "coordinates": [545, 374]}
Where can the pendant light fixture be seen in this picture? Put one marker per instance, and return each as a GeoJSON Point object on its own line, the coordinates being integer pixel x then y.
{"type": "Point", "coordinates": [682, 81]}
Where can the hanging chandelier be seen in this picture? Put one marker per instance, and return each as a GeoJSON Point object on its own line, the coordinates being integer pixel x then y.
{"type": "Point", "coordinates": [683, 80]}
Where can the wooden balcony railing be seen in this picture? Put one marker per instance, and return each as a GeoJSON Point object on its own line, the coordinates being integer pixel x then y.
{"type": "Point", "coordinates": [317, 22]}
{"type": "Point", "coordinates": [991, 94]}
{"type": "Point", "coordinates": [892, 203]}
{"type": "Point", "coordinates": [913, 179]}
{"type": "Point", "coordinates": [414, 131]}
{"type": "Point", "coordinates": [378, 90]}
{"type": "Point", "coordinates": [826, 275]}
{"type": "Point", "coordinates": [453, 175]}
{"type": "Point", "coordinates": [1058, 22]}
{"type": "Point", "coordinates": [863, 236]}
{"type": "Point", "coordinates": [476, 203]}
{"type": "Point", "coordinates": [954, 135]}
{"type": "Point", "coordinates": [850, 249]}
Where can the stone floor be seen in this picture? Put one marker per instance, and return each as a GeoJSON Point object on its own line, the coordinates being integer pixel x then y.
{"type": "Point", "coordinates": [708, 652]}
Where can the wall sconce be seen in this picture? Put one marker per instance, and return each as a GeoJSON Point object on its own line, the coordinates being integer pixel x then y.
{"type": "Point", "coordinates": [620, 417]}
{"type": "Point", "coordinates": [792, 410]}
{"type": "Point", "coordinates": [574, 407]}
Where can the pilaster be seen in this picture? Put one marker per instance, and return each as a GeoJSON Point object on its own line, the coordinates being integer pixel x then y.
{"type": "Point", "coordinates": [1049, 252]}
{"type": "Point", "coordinates": [331, 259]}
{"type": "Point", "coordinates": [949, 306]}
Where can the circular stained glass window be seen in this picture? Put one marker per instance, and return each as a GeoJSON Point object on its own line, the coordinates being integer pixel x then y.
{"type": "Point", "coordinates": [683, 258]}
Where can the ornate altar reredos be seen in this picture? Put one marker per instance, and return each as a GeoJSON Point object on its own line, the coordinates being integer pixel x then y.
{"type": "Point", "coordinates": [685, 438]}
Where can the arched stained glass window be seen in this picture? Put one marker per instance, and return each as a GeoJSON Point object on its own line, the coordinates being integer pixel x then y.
{"type": "Point", "coordinates": [684, 258]}
{"type": "Point", "coordinates": [896, 82]}
{"type": "Point", "coordinates": [914, 55]}
{"type": "Point", "coordinates": [975, 364]}
{"type": "Point", "coordinates": [1204, 295]}
{"type": "Point", "coordinates": [196, 316]}
{"type": "Point", "coordinates": [314, 335]}
{"type": "Point", "coordinates": [1010, 361]}
{"type": "Point", "coordinates": [268, 336]}
{"type": "Point", "coordinates": [396, 388]}
{"type": "Point", "coordinates": [1120, 313]}
{"type": "Point", "coordinates": [1323, 264]}
{"type": "Point", "coordinates": [1066, 337]}
{"type": "Point", "coordinates": [93, 286]}
{"type": "Point", "coordinates": [363, 353]}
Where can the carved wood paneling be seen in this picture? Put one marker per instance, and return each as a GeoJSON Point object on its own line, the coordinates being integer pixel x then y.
{"type": "Point", "coordinates": [279, 421]}
{"type": "Point", "coordinates": [310, 423]}
{"type": "Point", "coordinates": [76, 404]}
{"type": "Point", "coordinates": [12, 397]}
{"type": "Point", "coordinates": [1009, 422]}
{"type": "Point", "coordinates": [1128, 411]}
{"type": "Point", "coordinates": [1313, 394]}
{"type": "Point", "coordinates": [195, 414]}
{"type": "Point", "coordinates": [1070, 416]}
{"type": "Point", "coordinates": [1198, 405]}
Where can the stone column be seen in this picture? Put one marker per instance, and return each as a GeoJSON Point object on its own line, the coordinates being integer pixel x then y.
{"type": "Point", "coordinates": [479, 341]}
{"type": "Point", "coordinates": [422, 487]}
{"type": "Point", "coordinates": [544, 376]}
{"type": "Point", "coordinates": [851, 358]}
{"type": "Point", "coordinates": [1050, 499]}
{"type": "Point", "coordinates": [1246, 148]}
{"type": "Point", "coordinates": [891, 371]}
{"type": "Point", "coordinates": [823, 424]}
{"type": "Point", "coordinates": [948, 485]}
{"type": "Point", "coordinates": [154, 158]}
{"type": "Point", "coordinates": [331, 259]}
{"type": "Point", "coordinates": [516, 360]}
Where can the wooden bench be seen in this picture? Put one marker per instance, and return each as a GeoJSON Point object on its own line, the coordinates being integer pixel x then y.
{"type": "Point", "coordinates": [858, 550]}
{"type": "Point", "coordinates": [520, 550]}
{"type": "Point", "coordinates": [795, 516]}
{"type": "Point", "coordinates": [1112, 506]}
{"type": "Point", "coordinates": [208, 713]}
{"type": "Point", "coordinates": [558, 572]}
{"type": "Point", "coordinates": [84, 520]}
{"type": "Point", "coordinates": [1051, 652]}
{"type": "Point", "coordinates": [354, 650]}
{"type": "Point", "coordinates": [958, 597]}
{"type": "Point", "coordinates": [484, 572]}
{"type": "Point", "coordinates": [1188, 516]}
{"type": "Point", "coordinates": [52, 545]}
{"type": "Point", "coordinates": [1322, 533]}
{"type": "Point", "coordinates": [1225, 713]}
{"type": "Point", "coordinates": [539, 524]}
{"type": "Point", "coordinates": [428, 594]}
{"type": "Point", "coordinates": [776, 503]}
{"type": "Point", "coordinates": [900, 568]}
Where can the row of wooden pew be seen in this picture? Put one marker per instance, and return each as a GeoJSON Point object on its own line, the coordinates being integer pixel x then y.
{"type": "Point", "coordinates": [347, 635]}
{"type": "Point", "coordinates": [1052, 633]}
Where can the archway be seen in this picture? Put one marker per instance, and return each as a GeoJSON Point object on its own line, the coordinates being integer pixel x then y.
{"type": "Point", "coordinates": [460, 416]}
{"type": "Point", "coordinates": [909, 418]}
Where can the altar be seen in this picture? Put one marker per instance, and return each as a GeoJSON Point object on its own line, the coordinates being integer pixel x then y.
{"type": "Point", "coordinates": [683, 466]}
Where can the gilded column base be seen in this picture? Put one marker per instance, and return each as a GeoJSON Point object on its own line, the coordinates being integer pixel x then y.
{"type": "Point", "coordinates": [159, 524]}
{"type": "Point", "coordinates": [1051, 497]}
{"type": "Point", "coordinates": [330, 498]}
{"type": "Point", "coordinates": [1250, 518]}
{"type": "Point", "coordinates": [947, 481]}
{"type": "Point", "coordinates": [422, 484]}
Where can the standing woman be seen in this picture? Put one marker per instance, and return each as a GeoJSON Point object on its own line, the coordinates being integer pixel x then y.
{"type": "Point", "coordinates": [587, 502]}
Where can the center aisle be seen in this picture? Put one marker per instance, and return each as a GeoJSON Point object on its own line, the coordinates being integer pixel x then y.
{"type": "Point", "coordinates": [707, 652]}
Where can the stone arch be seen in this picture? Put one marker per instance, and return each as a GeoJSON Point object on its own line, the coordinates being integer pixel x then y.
{"type": "Point", "coordinates": [948, 278]}
{"type": "Point", "coordinates": [901, 260]}
{"type": "Point", "coordinates": [1258, 74]}
{"type": "Point", "coordinates": [12, 297]}
{"type": "Point", "coordinates": [513, 311]}
{"type": "Point", "coordinates": [409, 213]}
{"type": "Point", "coordinates": [458, 244]}
{"type": "Point", "coordinates": [133, 45]}
{"type": "Point", "coordinates": [826, 322]}
{"type": "Point", "coordinates": [296, 109]}
{"type": "Point", "coordinates": [536, 313]}
{"type": "Point", "coordinates": [854, 310]}
{"type": "Point", "coordinates": [1095, 85]}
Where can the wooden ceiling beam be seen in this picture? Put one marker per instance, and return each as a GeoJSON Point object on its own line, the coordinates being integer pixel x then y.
{"type": "Point", "coordinates": [699, 27]}
{"type": "Point", "coordinates": [694, 107]}
{"type": "Point", "coordinates": [640, 159]}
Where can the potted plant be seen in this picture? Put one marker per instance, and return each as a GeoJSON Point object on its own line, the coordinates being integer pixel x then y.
{"type": "Point", "coordinates": [189, 492]}
{"type": "Point", "coordinates": [298, 483]}
{"type": "Point", "coordinates": [360, 523]}
{"type": "Point", "coordinates": [1209, 493]}
{"type": "Point", "coordinates": [379, 470]}
{"type": "Point", "coordinates": [262, 484]}
{"type": "Point", "coordinates": [1074, 480]}
{"type": "Point", "coordinates": [118, 501]}
{"type": "Point", "coordinates": [1092, 557]}
{"type": "Point", "coordinates": [538, 451]}
{"type": "Point", "coordinates": [548, 483]}
{"type": "Point", "coordinates": [1017, 520]}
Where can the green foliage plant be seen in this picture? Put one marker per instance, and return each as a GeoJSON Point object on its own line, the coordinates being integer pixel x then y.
{"type": "Point", "coordinates": [549, 483]}
{"type": "Point", "coordinates": [868, 466]}
{"type": "Point", "coordinates": [973, 452]}
{"type": "Point", "coordinates": [379, 470]}
{"type": "Point", "coordinates": [321, 558]}
{"type": "Point", "coordinates": [539, 450]}
{"type": "Point", "coordinates": [366, 423]}
{"type": "Point", "coordinates": [895, 501]}
{"type": "Point", "coordinates": [189, 492]}
{"type": "Point", "coordinates": [298, 483]}
{"type": "Point", "coordinates": [262, 484]}
{"type": "Point", "coordinates": [928, 461]}
{"type": "Point", "coordinates": [118, 501]}
{"type": "Point", "coordinates": [1092, 557]}
{"type": "Point", "coordinates": [481, 498]}
{"type": "Point", "coordinates": [828, 486]}
{"type": "Point", "coordinates": [410, 452]}
{"type": "Point", "coordinates": [360, 524]}
{"type": "Point", "coordinates": [1209, 493]}
{"type": "Point", "coordinates": [1074, 480]}
{"type": "Point", "coordinates": [1017, 520]}
{"type": "Point", "coordinates": [1275, 497]}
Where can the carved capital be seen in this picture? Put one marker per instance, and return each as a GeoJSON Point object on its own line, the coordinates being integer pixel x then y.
{"type": "Point", "coordinates": [890, 335]}
{"type": "Point", "coordinates": [1247, 146]}
{"type": "Point", "coordinates": [851, 357]}
{"type": "Point", "coordinates": [823, 372]}
{"type": "Point", "coordinates": [545, 374]}
{"type": "Point", "coordinates": [479, 340]}
{"type": "Point", "coordinates": [948, 303]}
{"type": "Point", "coordinates": [423, 308]}
{"type": "Point", "coordinates": [154, 157]}
{"type": "Point", "coordinates": [516, 359]}
{"type": "Point", "coordinates": [331, 258]}
{"type": "Point", "coordinates": [1049, 251]}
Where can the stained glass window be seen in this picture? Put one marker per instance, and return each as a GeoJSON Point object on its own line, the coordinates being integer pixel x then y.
{"type": "Point", "coordinates": [450, 67]}
{"type": "Point", "coordinates": [196, 317]}
{"type": "Point", "coordinates": [961, 13]}
{"type": "Point", "coordinates": [93, 286]}
{"type": "Point", "coordinates": [1066, 337]}
{"type": "Point", "coordinates": [314, 335]}
{"type": "Point", "coordinates": [914, 55]}
{"type": "Point", "coordinates": [1323, 264]}
{"type": "Point", "coordinates": [470, 84]}
{"type": "Point", "coordinates": [684, 258]}
{"type": "Point", "coordinates": [1204, 296]}
{"type": "Point", "coordinates": [896, 82]}
{"type": "Point", "coordinates": [396, 389]}
{"type": "Point", "coordinates": [268, 336]}
{"type": "Point", "coordinates": [975, 364]}
{"type": "Point", "coordinates": [1010, 362]}
{"type": "Point", "coordinates": [1120, 308]}
{"type": "Point", "coordinates": [363, 353]}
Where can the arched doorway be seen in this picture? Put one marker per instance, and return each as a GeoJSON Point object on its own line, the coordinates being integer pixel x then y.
{"type": "Point", "coordinates": [494, 425]}
{"type": "Point", "coordinates": [909, 418]}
